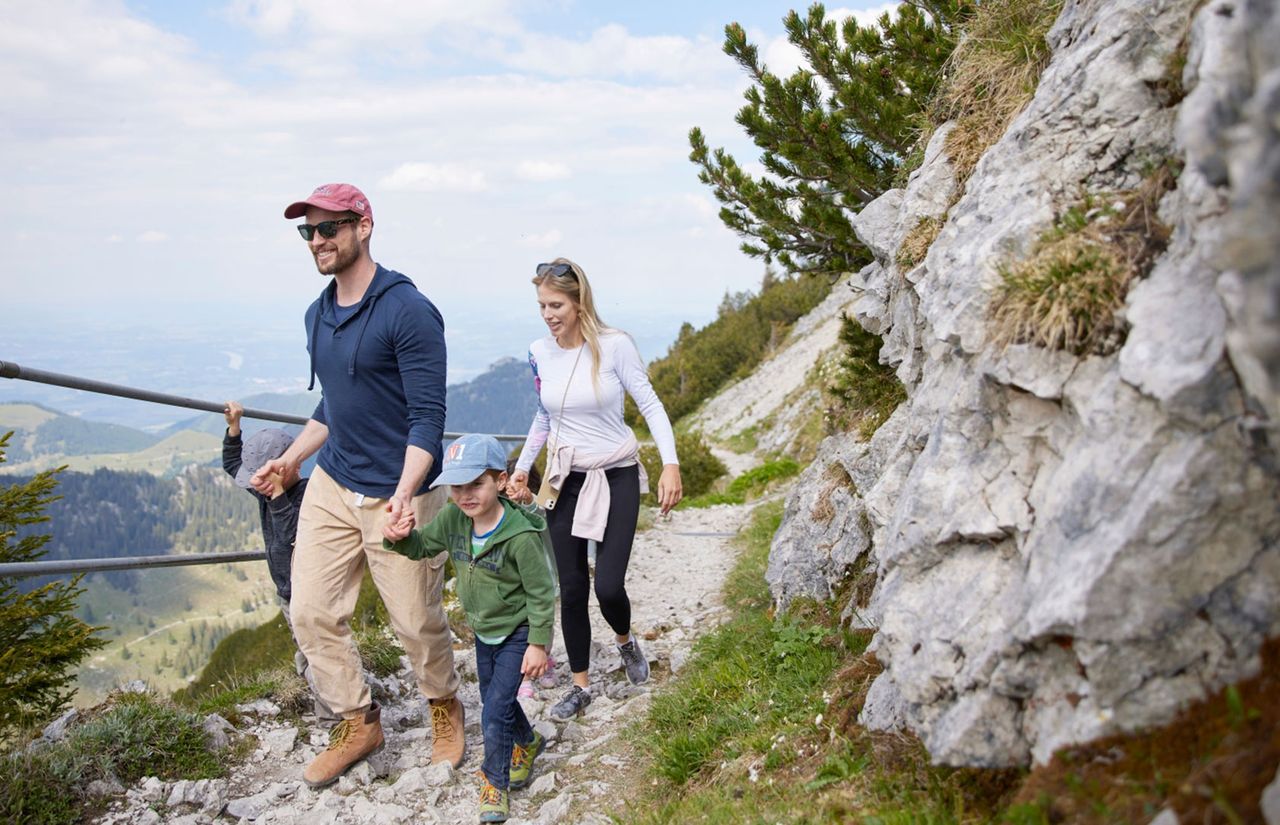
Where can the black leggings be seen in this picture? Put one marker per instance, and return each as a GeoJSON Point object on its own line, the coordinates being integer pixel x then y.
{"type": "Point", "coordinates": [613, 554]}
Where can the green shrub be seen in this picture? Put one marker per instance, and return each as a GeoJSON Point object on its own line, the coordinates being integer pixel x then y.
{"type": "Point", "coordinates": [833, 134]}
{"type": "Point", "coordinates": [751, 484]}
{"type": "Point", "coordinates": [861, 392]}
{"type": "Point", "coordinates": [699, 468]}
{"type": "Point", "coordinates": [41, 640]}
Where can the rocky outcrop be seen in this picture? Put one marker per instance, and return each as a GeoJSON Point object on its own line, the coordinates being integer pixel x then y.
{"type": "Point", "coordinates": [1064, 547]}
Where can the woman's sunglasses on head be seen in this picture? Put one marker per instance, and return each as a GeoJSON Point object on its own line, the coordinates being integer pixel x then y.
{"type": "Point", "coordinates": [556, 270]}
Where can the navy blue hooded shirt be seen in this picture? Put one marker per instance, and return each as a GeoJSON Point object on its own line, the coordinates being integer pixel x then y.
{"type": "Point", "coordinates": [382, 378]}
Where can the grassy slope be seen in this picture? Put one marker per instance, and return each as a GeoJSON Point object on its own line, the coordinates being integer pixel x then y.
{"type": "Point", "coordinates": [167, 456]}
{"type": "Point", "coordinates": [156, 624]}
{"type": "Point", "coordinates": [23, 416]}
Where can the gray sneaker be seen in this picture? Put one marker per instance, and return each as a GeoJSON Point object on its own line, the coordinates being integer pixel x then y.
{"type": "Point", "coordinates": [573, 703]}
{"type": "Point", "coordinates": [633, 659]}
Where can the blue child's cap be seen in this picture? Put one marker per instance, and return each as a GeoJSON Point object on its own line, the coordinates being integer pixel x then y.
{"type": "Point", "coordinates": [468, 457]}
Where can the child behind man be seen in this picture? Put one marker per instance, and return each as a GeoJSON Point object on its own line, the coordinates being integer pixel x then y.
{"type": "Point", "coordinates": [508, 593]}
{"type": "Point", "coordinates": [278, 514]}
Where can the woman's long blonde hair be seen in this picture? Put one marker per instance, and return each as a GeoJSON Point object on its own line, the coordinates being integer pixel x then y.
{"type": "Point", "coordinates": [578, 289]}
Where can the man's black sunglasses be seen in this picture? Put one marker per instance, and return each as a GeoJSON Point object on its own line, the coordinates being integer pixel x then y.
{"type": "Point", "coordinates": [327, 229]}
{"type": "Point", "coordinates": [556, 270]}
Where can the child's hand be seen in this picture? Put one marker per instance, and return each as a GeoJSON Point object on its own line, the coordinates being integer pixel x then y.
{"type": "Point", "coordinates": [277, 484]}
{"type": "Point", "coordinates": [535, 662]}
{"type": "Point", "coordinates": [518, 488]}
{"type": "Point", "coordinates": [232, 413]}
{"type": "Point", "coordinates": [400, 528]}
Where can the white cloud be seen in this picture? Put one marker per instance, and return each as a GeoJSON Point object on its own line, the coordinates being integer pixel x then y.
{"type": "Point", "coordinates": [612, 51]}
{"type": "Point", "coordinates": [541, 170]}
{"type": "Point", "coordinates": [544, 240]}
{"type": "Point", "coordinates": [702, 205]}
{"type": "Point", "coordinates": [368, 20]}
{"type": "Point", "coordinates": [122, 118]}
{"type": "Point", "coordinates": [434, 177]}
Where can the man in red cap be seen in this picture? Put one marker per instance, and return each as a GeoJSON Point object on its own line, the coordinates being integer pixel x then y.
{"type": "Point", "coordinates": [377, 346]}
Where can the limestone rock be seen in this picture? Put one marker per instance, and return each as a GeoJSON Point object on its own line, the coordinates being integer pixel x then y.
{"type": "Point", "coordinates": [219, 731]}
{"type": "Point", "coordinates": [1270, 801]}
{"type": "Point", "coordinates": [1062, 546]}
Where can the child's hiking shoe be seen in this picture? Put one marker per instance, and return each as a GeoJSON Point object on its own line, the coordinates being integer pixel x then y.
{"type": "Point", "coordinates": [494, 806]}
{"type": "Point", "coordinates": [633, 659]}
{"type": "Point", "coordinates": [522, 757]}
{"type": "Point", "coordinates": [548, 678]}
{"type": "Point", "coordinates": [349, 741]}
{"type": "Point", "coordinates": [573, 703]}
{"type": "Point", "coordinates": [526, 690]}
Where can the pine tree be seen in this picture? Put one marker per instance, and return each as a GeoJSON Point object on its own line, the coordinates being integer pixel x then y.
{"type": "Point", "coordinates": [41, 640]}
{"type": "Point", "coordinates": [832, 135]}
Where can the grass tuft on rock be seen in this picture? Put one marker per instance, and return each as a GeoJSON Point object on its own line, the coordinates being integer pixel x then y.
{"type": "Point", "coordinates": [131, 736]}
{"type": "Point", "coordinates": [917, 242]}
{"type": "Point", "coordinates": [992, 75]}
{"type": "Point", "coordinates": [1068, 294]}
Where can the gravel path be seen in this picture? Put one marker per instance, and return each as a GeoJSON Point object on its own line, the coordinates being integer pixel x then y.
{"type": "Point", "coordinates": [675, 578]}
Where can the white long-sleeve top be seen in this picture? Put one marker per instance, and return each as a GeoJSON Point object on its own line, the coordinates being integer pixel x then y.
{"type": "Point", "coordinates": [592, 421]}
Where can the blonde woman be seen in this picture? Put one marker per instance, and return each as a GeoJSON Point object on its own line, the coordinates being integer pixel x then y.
{"type": "Point", "coordinates": [581, 371]}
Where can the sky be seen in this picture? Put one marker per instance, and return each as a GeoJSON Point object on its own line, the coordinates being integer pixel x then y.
{"type": "Point", "coordinates": [150, 148]}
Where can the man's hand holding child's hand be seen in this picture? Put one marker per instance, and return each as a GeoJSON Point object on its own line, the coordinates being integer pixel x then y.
{"type": "Point", "coordinates": [535, 662]}
{"type": "Point", "coordinates": [399, 528]}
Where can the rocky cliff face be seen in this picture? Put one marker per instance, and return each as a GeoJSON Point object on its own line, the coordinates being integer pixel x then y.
{"type": "Point", "coordinates": [1066, 546]}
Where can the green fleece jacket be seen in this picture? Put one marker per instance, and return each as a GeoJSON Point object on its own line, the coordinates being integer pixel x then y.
{"type": "Point", "coordinates": [508, 584]}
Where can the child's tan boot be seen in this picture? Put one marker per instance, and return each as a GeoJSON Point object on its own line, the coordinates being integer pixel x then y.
{"type": "Point", "coordinates": [448, 742]}
{"type": "Point", "coordinates": [350, 741]}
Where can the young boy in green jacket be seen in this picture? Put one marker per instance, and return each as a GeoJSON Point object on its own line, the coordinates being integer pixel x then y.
{"type": "Point", "coordinates": [506, 587]}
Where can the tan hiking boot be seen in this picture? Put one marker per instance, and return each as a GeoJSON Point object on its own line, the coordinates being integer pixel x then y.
{"type": "Point", "coordinates": [350, 741]}
{"type": "Point", "coordinates": [448, 743]}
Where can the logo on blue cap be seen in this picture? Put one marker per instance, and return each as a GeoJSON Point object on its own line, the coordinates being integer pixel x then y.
{"type": "Point", "coordinates": [468, 457]}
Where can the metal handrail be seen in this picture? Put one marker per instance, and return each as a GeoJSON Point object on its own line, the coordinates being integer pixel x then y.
{"type": "Point", "coordinates": [24, 569]}
{"type": "Point", "coordinates": [9, 369]}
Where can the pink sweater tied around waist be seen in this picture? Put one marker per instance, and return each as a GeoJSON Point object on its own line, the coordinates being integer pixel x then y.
{"type": "Point", "coordinates": [592, 513]}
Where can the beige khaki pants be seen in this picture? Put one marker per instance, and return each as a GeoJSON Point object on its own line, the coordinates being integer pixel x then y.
{"type": "Point", "coordinates": [339, 533]}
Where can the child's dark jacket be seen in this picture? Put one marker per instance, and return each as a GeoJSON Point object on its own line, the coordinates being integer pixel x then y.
{"type": "Point", "coordinates": [279, 517]}
{"type": "Point", "coordinates": [508, 584]}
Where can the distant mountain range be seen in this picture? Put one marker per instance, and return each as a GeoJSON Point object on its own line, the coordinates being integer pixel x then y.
{"type": "Point", "coordinates": [500, 400]}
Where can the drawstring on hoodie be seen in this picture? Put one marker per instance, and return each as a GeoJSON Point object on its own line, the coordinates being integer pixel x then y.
{"type": "Point", "coordinates": [365, 311]}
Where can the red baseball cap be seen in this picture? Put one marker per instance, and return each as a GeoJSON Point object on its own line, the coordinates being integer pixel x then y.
{"type": "Point", "coordinates": [336, 197]}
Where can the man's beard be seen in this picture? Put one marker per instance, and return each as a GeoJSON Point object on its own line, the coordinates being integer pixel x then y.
{"type": "Point", "coordinates": [343, 258]}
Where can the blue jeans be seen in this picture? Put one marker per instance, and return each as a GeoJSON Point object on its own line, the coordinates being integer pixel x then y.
{"type": "Point", "coordinates": [501, 716]}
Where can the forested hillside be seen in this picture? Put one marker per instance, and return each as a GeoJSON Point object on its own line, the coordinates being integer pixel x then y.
{"type": "Point", "coordinates": [500, 400]}
{"type": "Point", "coordinates": [40, 431]}
{"type": "Point", "coordinates": [109, 513]}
